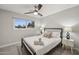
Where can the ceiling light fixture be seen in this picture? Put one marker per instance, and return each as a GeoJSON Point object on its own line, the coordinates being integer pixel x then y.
{"type": "Point", "coordinates": [35, 13]}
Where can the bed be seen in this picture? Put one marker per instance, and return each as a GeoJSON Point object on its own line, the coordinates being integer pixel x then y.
{"type": "Point", "coordinates": [48, 43]}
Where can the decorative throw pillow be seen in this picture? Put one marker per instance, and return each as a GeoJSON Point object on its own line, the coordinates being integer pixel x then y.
{"type": "Point", "coordinates": [47, 34]}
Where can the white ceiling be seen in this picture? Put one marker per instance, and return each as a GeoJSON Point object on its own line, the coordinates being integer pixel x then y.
{"type": "Point", "coordinates": [47, 9]}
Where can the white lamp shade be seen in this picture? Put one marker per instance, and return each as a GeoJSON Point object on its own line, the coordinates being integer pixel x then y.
{"type": "Point", "coordinates": [43, 26]}
{"type": "Point", "coordinates": [68, 29]}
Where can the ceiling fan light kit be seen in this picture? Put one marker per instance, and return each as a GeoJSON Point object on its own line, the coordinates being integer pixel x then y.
{"type": "Point", "coordinates": [35, 13]}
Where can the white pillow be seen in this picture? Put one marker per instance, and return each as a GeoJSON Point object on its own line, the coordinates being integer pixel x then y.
{"type": "Point", "coordinates": [56, 34]}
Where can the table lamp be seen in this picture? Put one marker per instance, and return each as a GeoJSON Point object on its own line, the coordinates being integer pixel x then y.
{"type": "Point", "coordinates": [42, 28]}
{"type": "Point", "coordinates": [67, 30]}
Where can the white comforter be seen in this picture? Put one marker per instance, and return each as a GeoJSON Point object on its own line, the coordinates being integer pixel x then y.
{"type": "Point", "coordinates": [49, 43]}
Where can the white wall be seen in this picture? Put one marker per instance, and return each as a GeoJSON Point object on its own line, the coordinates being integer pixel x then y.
{"type": "Point", "coordinates": [69, 17]}
{"type": "Point", "coordinates": [7, 33]}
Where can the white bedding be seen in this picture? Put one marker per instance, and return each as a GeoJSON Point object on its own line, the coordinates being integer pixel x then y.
{"type": "Point", "coordinates": [49, 43]}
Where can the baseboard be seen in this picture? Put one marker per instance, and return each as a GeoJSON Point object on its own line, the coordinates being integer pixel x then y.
{"type": "Point", "coordinates": [10, 44]}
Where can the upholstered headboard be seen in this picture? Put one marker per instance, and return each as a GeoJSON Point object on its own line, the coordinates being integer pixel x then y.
{"type": "Point", "coordinates": [55, 30]}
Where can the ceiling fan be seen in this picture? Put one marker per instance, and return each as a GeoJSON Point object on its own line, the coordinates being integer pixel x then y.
{"type": "Point", "coordinates": [36, 9]}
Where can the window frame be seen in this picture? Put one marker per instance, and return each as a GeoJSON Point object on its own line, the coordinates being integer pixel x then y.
{"type": "Point", "coordinates": [14, 18]}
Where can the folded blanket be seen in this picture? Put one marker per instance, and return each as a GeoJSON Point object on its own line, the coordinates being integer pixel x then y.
{"type": "Point", "coordinates": [38, 43]}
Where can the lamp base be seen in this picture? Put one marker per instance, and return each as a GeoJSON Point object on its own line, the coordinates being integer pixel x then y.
{"type": "Point", "coordinates": [67, 35]}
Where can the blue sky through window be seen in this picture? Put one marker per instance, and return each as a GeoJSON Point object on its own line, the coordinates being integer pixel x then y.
{"type": "Point", "coordinates": [21, 22]}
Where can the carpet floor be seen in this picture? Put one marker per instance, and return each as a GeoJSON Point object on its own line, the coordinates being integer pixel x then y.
{"type": "Point", "coordinates": [17, 50]}
{"type": "Point", "coordinates": [56, 51]}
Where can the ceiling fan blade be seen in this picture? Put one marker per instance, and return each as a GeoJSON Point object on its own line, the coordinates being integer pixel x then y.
{"type": "Point", "coordinates": [29, 12]}
{"type": "Point", "coordinates": [40, 14]}
{"type": "Point", "coordinates": [39, 6]}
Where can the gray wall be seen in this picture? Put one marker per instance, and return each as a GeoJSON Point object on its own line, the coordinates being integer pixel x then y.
{"type": "Point", "coordinates": [69, 17]}
{"type": "Point", "coordinates": [7, 33]}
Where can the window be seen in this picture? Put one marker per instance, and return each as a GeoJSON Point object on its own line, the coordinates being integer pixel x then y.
{"type": "Point", "coordinates": [21, 23]}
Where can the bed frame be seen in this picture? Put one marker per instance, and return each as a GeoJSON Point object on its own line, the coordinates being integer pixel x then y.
{"type": "Point", "coordinates": [24, 44]}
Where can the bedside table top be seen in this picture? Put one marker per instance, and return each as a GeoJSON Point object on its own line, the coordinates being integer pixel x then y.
{"type": "Point", "coordinates": [69, 39]}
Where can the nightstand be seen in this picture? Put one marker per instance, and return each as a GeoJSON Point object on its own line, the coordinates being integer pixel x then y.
{"type": "Point", "coordinates": [68, 42]}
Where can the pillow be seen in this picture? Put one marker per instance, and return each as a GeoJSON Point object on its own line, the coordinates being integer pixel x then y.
{"type": "Point", "coordinates": [56, 34]}
{"type": "Point", "coordinates": [47, 34]}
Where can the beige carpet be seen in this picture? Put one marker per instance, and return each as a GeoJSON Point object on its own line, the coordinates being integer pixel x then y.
{"type": "Point", "coordinates": [11, 51]}
{"type": "Point", "coordinates": [17, 50]}
{"type": "Point", "coordinates": [56, 51]}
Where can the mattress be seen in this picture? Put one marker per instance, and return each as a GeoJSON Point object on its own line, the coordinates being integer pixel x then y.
{"type": "Point", "coordinates": [49, 43]}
